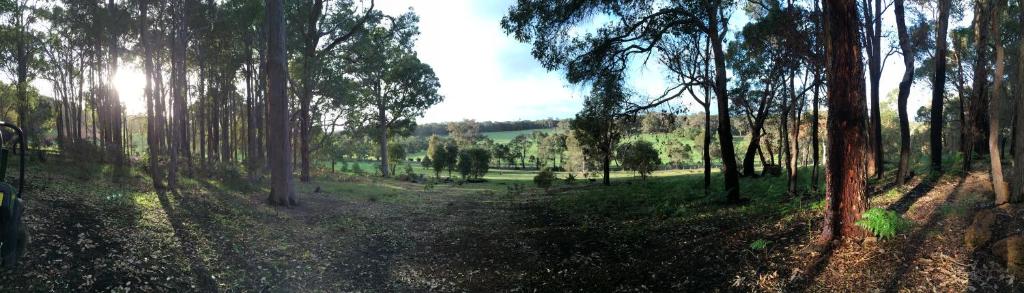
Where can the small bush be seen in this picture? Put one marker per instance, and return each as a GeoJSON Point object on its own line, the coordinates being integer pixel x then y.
{"type": "Point", "coordinates": [883, 223]}
{"type": "Point", "coordinates": [544, 179]}
{"type": "Point", "coordinates": [357, 169]}
{"type": "Point", "coordinates": [570, 179]}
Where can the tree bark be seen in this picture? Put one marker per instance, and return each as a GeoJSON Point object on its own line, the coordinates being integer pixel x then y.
{"type": "Point", "coordinates": [282, 191]}
{"type": "Point", "coordinates": [873, 41]}
{"type": "Point", "coordinates": [939, 84]}
{"type": "Point", "coordinates": [815, 140]}
{"type": "Point", "coordinates": [153, 125]}
{"type": "Point", "coordinates": [729, 170]}
{"type": "Point", "coordinates": [903, 170]}
{"type": "Point", "coordinates": [1018, 149]}
{"type": "Point", "coordinates": [979, 97]}
{"type": "Point", "coordinates": [844, 176]}
{"type": "Point", "coordinates": [995, 106]}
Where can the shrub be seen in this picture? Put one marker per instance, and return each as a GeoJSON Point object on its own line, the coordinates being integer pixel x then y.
{"type": "Point", "coordinates": [344, 166]}
{"type": "Point", "coordinates": [474, 163]}
{"type": "Point", "coordinates": [544, 179]}
{"type": "Point", "coordinates": [639, 156]}
{"type": "Point", "coordinates": [357, 169]}
{"type": "Point", "coordinates": [883, 223]}
{"type": "Point", "coordinates": [570, 179]}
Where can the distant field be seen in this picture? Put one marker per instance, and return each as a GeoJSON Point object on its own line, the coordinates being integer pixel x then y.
{"type": "Point", "coordinates": [660, 141]}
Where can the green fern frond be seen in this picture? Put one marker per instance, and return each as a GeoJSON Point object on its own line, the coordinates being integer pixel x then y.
{"type": "Point", "coordinates": [883, 223]}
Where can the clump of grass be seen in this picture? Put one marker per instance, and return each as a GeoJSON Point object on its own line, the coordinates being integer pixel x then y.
{"type": "Point", "coordinates": [759, 244]}
{"type": "Point", "coordinates": [883, 223]}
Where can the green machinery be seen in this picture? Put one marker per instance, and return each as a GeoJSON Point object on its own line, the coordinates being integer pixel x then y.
{"type": "Point", "coordinates": [13, 236]}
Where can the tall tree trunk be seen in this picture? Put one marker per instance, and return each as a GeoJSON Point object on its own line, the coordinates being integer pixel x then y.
{"type": "Point", "coordinates": [153, 126]}
{"type": "Point", "coordinates": [796, 107]}
{"type": "Point", "coordinates": [873, 41]}
{"type": "Point", "coordinates": [732, 178]}
{"type": "Point", "coordinates": [22, 72]}
{"type": "Point", "coordinates": [1018, 147]}
{"type": "Point", "coordinates": [815, 141]}
{"type": "Point", "coordinates": [995, 106]}
{"type": "Point", "coordinates": [980, 97]}
{"type": "Point", "coordinates": [844, 172]}
{"type": "Point", "coordinates": [178, 92]}
{"type": "Point", "coordinates": [282, 191]}
{"type": "Point", "coordinates": [939, 84]}
{"type": "Point", "coordinates": [903, 170]}
{"type": "Point", "coordinates": [707, 142]}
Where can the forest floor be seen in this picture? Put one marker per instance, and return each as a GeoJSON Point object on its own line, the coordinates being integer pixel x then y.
{"type": "Point", "coordinates": [362, 234]}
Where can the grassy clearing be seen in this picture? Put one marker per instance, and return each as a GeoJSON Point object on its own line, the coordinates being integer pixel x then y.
{"type": "Point", "coordinates": [359, 233]}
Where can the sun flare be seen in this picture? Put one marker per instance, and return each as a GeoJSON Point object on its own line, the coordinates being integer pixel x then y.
{"type": "Point", "coordinates": [130, 84]}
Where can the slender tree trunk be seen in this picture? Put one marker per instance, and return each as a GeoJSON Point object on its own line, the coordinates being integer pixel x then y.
{"type": "Point", "coordinates": [815, 141]}
{"type": "Point", "coordinates": [1017, 194]}
{"type": "Point", "coordinates": [939, 84]}
{"type": "Point", "coordinates": [153, 125]}
{"type": "Point", "coordinates": [282, 191]}
{"type": "Point", "coordinates": [794, 162]}
{"type": "Point", "coordinates": [22, 72]}
{"type": "Point", "coordinates": [844, 176]}
{"type": "Point", "coordinates": [707, 142]}
{"type": "Point", "coordinates": [873, 41]}
{"type": "Point", "coordinates": [729, 170]}
{"type": "Point", "coordinates": [980, 97]}
{"type": "Point", "coordinates": [903, 170]}
{"type": "Point", "coordinates": [995, 106]}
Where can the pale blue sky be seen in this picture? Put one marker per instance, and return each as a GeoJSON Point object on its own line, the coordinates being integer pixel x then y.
{"type": "Point", "coordinates": [487, 75]}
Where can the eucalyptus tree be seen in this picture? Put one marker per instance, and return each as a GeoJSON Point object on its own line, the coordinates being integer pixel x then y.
{"type": "Point", "coordinates": [907, 50]}
{"type": "Point", "coordinates": [762, 59]}
{"type": "Point", "coordinates": [872, 40]}
{"type": "Point", "coordinates": [845, 199]}
{"type": "Point", "coordinates": [319, 27]}
{"type": "Point", "coordinates": [995, 105]}
{"type": "Point", "coordinates": [633, 30]}
{"type": "Point", "coordinates": [974, 114]}
{"type": "Point", "coordinates": [282, 189]}
{"type": "Point", "coordinates": [395, 86]}
{"type": "Point", "coordinates": [1017, 194]}
{"type": "Point", "coordinates": [939, 83]}
{"type": "Point", "coordinates": [598, 127]}
{"type": "Point", "coordinates": [688, 58]}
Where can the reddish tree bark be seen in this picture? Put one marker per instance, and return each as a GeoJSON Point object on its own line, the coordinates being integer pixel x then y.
{"type": "Point", "coordinates": [847, 140]}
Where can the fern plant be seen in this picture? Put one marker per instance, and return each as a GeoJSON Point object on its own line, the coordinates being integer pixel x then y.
{"type": "Point", "coordinates": [883, 223]}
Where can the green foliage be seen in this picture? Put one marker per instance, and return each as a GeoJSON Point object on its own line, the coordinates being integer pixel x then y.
{"type": "Point", "coordinates": [544, 179]}
{"type": "Point", "coordinates": [639, 156]}
{"type": "Point", "coordinates": [759, 244]}
{"type": "Point", "coordinates": [474, 163]}
{"type": "Point", "coordinates": [358, 170]}
{"type": "Point", "coordinates": [883, 223]}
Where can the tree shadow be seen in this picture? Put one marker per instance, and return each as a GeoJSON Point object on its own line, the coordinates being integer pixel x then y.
{"type": "Point", "coordinates": [916, 241]}
{"type": "Point", "coordinates": [814, 268]}
{"type": "Point", "coordinates": [908, 199]}
{"type": "Point", "coordinates": [188, 244]}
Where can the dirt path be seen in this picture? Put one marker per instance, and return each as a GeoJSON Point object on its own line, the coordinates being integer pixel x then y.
{"type": "Point", "coordinates": [931, 257]}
